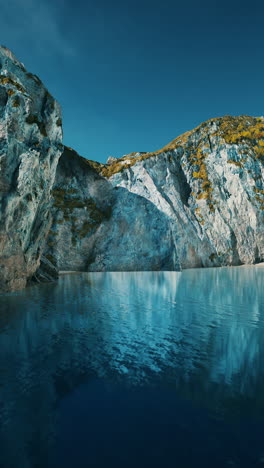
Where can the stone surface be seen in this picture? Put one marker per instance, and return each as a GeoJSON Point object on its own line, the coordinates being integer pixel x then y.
{"type": "Point", "coordinates": [198, 202]}
{"type": "Point", "coordinates": [98, 227]}
{"type": "Point", "coordinates": [30, 146]}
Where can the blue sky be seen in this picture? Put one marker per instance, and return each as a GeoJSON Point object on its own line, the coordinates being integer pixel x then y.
{"type": "Point", "coordinates": [133, 75]}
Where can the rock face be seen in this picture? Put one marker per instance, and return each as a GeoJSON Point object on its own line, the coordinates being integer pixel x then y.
{"type": "Point", "coordinates": [101, 227]}
{"type": "Point", "coordinates": [30, 146]}
{"type": "Point", "coordinates": [198, 202]}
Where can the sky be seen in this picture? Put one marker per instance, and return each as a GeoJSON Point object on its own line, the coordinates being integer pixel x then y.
{"type": "Point", "coordinates": [133, 75]}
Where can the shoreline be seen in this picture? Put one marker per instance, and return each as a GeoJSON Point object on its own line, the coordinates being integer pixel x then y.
{"type": "Point", "coordinates": [258, 265]}
{"type": "Point", "coordinates": [70, 272]}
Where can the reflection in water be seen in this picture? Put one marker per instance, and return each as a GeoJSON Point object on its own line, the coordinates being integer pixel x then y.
{"type": "Point", "coordinates": [198, 333]}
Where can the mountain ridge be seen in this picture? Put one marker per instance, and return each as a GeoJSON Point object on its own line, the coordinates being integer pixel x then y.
{"type": "Point", "coordinates": [247, 122]}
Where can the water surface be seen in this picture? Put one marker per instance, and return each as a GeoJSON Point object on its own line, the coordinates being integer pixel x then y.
{"type": "Point", "coordinates": [134, 370]}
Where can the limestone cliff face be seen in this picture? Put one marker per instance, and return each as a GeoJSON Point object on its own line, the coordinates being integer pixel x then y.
{"type": "Point", "coordinates": [101, 227]}
{"type": "Point", "coordinates": [30, 146]}
{"type": "Point", "coordinates": [198, 202]}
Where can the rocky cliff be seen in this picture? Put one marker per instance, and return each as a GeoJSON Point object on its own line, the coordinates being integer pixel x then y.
{"type": "Point", "coordinates": [99, 226]}
{"type": "Point", "coordinates": [30, 146]}
{"type": "Point", "coordinates": [198, 202]}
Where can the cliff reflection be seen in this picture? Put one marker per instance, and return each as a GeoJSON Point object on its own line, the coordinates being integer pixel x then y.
{"type": "Point", "coordinates": [200, 332]}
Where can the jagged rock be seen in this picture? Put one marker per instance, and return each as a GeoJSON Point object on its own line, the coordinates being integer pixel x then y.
{"type": "Point", "coordinates": [111, 160]}
{"type": "Point", "coordinates": [198, 202]}
{"type": "Point", "coordinates": [47, 271]}
{"type": "Point", "coordinates": [30, 146]}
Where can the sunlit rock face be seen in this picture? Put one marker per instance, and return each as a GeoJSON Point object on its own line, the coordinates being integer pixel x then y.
{"type": "Point", "coordinates": [198, 202]}
{"type": "Point", "coordinates": [30, 146]}
{"type": "Point", "coordinates": [209, 183]}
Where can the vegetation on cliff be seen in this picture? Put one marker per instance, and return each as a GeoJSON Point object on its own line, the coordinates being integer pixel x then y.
{"type": "Point", "coordinates": [243, 130]}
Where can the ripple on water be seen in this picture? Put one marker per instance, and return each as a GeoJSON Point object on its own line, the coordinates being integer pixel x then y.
{"type": "Point", "coordinates": [197, 334]}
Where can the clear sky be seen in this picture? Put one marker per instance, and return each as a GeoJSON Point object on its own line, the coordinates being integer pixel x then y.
{"type": "Point", "coordinates": [132, 75]}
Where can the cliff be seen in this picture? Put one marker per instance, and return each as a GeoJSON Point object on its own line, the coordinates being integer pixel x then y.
{"type": "Point", "coordinates": [101, 227]}
{"type": "Point", "coordinates": [198, 202]}
{"type": "Point", "coordinates": [30, 146]}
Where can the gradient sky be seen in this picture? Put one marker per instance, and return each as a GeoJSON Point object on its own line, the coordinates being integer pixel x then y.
{"type": "Point", "coordinates": [133, 75]}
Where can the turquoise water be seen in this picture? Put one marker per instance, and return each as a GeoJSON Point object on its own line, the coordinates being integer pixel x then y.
{"type": "Point", "coordinates": [143, 369]}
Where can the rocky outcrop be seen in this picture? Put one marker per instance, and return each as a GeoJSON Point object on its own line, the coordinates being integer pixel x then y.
{"type": "Point", "coordinates": [100, 227]}
{"type": "Point", "coordinates": [198, 202]}
{"type": "Point", "coordinates": [30, 146]}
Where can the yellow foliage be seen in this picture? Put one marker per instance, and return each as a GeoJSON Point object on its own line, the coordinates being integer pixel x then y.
{"type": "Point", "coordinates": [258, 190]}
{"type": "Point", "coordinates": [259, 151]}
{"type": "Point", "coordinates": [242, 129]}
{"type": "Point", "coordinates": [112, 169]}
{"type": "Point", "coordinates": [203, 195]}
{"type": "Point", "coordinates": [236, 163]}
{"type": "Point", "coordinates": [259, 199]}
{"type": "Point", "coordinates": [9, 81]}
{"type": "Point", "coordinates": [202, 174]}
{"type": "Point", "coordinates": [206, 184]}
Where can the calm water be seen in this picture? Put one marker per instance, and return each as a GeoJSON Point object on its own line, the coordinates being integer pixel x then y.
{"type": "Point", "coordinates": [134, 370]}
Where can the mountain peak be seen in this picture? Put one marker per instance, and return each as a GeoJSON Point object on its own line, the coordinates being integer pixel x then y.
{"type": "Point", "coordinates": [9, 54]}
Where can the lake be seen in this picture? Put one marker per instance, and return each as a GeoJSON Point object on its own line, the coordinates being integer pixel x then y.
{"type": "Point", "coordinates": [144, 369]}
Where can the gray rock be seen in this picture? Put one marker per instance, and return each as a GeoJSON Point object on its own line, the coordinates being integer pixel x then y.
{"type": "Point", "coordinates": [30, 146]}
{"type": "Point", "coordinates": [198, 202]}
{"type": "Point", "coordinates": [47, 271]}
{"type": "Point", "coordinates": [98, 227]}
{"type": "Point", "coordinates": [111, 160]}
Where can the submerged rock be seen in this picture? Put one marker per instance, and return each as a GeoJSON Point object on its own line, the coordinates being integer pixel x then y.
{"type": "Point", "coordinates": [30, 146]}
